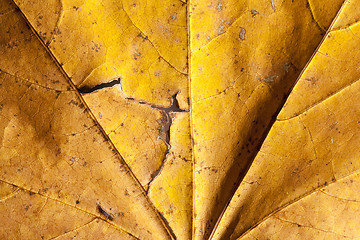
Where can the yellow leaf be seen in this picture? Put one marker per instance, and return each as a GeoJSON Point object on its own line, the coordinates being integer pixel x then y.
{"type": "Point", "coordinates": [195, 119]}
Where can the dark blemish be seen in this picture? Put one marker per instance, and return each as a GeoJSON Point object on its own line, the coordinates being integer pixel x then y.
{"type": "Point", "coordinates": [85, 163]}
{"type": "Point", "coordinates": [219, 6]}
{"type": "Point", "coordinates": [242, 69]}
{"type": "Point", "coordinates": [130, 98]}
{"type": "Point", "coordinates": [77, 202]}
{"type": "Point", "coordinates": [287, 67]}
{"type": "Point", "coordinates": [270, 79]}
{"type": "Point", "coordinates": [86, 89]}
{"type": "Point", "coordinates": [242, 34]}
{"type": "Point", "coordinates": [96, 47]}
{"type": "Point", "coordinates": [144, 37]}
{"type": "Point", "coordinates": [76, 8]}
{"type": "Point", "coordinates": [221, 29]}
{"type": "Point", "coordinates": [312, 79]}
{"type": "Point", "coordinates": [106, 214]}
{"type": "Point", "coordinates": [254, 13]}
{"type": "Point", "coordinates": [40, 17]}
{"type": "Point", "coordinates": [58, 152]}
{"type": "Point", "coordinates": [272, 5]}
{"type": "Point", "coordinates": [31, 193]}
{"type": "Point", "coordinates": [73, 102]}
{"type": "Point", "coordinates": [12, 45]}
{"type": "Point", "coordinates": [26, 208]}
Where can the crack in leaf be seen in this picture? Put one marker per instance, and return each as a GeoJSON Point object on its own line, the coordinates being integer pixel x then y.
{"type": "Point", "coordinates": [174, 107]}
{"type": "Point", "coordinates": [189, 79]}
{"type": "Point", "coordinates": [92, 116]}
{"type": "Point", "coordinates": [154, 175]}
{"type": "Point", "coordinates": [86, 89]}
{"type": "Point", "coordinates": [166, 111]}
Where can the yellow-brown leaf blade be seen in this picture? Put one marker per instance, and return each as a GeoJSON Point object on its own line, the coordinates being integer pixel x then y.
{"type": "Point", "coordinates": [51, 145]}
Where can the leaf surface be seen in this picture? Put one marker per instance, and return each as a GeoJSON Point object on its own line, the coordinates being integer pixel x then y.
{"type": "Point", "coordinates": [179, 119]}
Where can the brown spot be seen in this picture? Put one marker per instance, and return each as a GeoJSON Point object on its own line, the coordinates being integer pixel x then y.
{"type": "Point", "coordinates": [312, 80]}
{"type": "Point", "coordinates": [254, 13]}
{"type": "Point", "coordinates": [219, 6]}
{"type": "Point", "coordinates": [106, 214]}
{"type": "Point", "coordinates": [242, 34]}
{"type": "Point", "coordinates": [270, 79]}
{"type": "Point", "coordinates": [287, 67]}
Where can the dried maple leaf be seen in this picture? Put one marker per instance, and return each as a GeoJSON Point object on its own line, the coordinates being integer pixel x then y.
{"type": "Point", "coordinates": [178, 119]}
